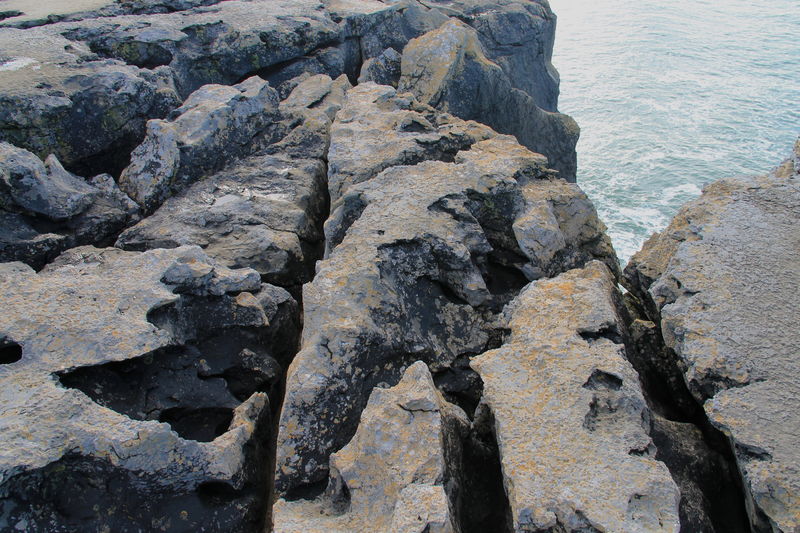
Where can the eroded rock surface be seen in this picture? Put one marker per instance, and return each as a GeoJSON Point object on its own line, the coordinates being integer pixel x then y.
{"type": "Point", "coordinates": [721, 280]}
{"type": "Point", "coordinates": [141, 384]}
{"type": "Point", "coordinates": [44, 209]}
{"type": "Point", "coordinates": [397, 474]}
{"type": "Point", "coordinates": [425, 256]}
{"type": "Point", "coordinates": [448, 69]}
{"type": "Point", "coordinates": [571, 421]}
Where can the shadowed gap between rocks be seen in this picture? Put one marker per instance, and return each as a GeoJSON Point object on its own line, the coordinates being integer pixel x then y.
{"type": "Point", "coordinates": [698, 455]}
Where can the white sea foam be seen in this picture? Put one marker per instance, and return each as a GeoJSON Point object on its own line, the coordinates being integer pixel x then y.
{"type": "Point", "coordinates": [16, 63]}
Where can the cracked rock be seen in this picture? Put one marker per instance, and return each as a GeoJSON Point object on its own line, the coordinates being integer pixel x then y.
{"type": "Point", "coordinates": [426, 256]}
{"type": "Point", "coordinates": [570, 418]}
{"type": "Point", "coordinates": [721, 280]}
{"type": "Point", "coordinates": [395, 475]}
{"type": "Point", "coordinates": [135, 396]}
{"type": "Point", "coordinates": [448, 69]}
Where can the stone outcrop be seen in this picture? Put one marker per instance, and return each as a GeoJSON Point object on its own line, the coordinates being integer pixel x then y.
{"type": "Point", "coordinates": [420, 258]}
{"type": "Point", "coordinates": [349, 257]}
{"type": "Point", "coordinates": [109, 70]}
{"type": "Point", "coordinates": [448, 69]}
{"type": "Point", "coordinates": [263, 211]}
{"type": "Point", "coordinates": [140, 382]}
{"type": "Point", "coordinates": [44, 209]}
{"type": "Point", "coordinates": [216, 125]}
{"type": "Point", "coordinates": [397, 473]}
{"type": "Point", "coordinates": [571, 420]}
{"type": "Point", "coordinates": [720, 281]}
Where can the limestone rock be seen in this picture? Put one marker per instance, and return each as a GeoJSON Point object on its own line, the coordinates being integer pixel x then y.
{"type": "Point", "coordinates": [42, 188]}
{"type": "Point", "coordinates": [448, 69]}
{"type": "Point", "coordinates": [421, 258]}
{"type": "Point", "coordinates": [571, 421]}
{"type": "Point", "coordinates": [396, 474]}
{"type": "Point", "coordinates": [215, 125]}
{"type": "Point", "coordinates": [57, 97]}
{"type": "Point", "coordinates": [721, 281]}
{"type": "Point", "coordinates": [383, 69]}
{"type": "Point", "coordinates": [45, 209]}
{"type": "Point", "coordinates": [137, 388]}
{"type": "Point", "coordinates": [264, 211]}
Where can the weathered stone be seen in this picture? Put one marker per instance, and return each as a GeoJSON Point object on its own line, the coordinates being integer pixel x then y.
{"type": "Point", "coordinates": [264, 211]}
{"type": "Point", "coordinates": [420, 259]}
{"type": "Point", "coordinates": [721, 282]}
{"type": "Point", "coordinates": [448, 69]}
{"type": "Point", "coordinates": [41, 188]}
{"type": "Point", "coordinates": [215, 125]}
{"type": "Point", "coordinates": [571, 421]}
{"type": "Point", "coordinates": [108, 353]}
{"type": "Point", "coordinates": [57, 97]}
{"type": "Point", "coordinates": [396, 474]}
{"type": "Point", "coordinates": [45, 209]}
{"type": "Point", "coordinates": [383, 69]}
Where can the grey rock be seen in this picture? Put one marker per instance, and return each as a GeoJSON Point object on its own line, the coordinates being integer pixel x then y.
{"type": "Point", "coordinates": [264, 211]}
{"type": "Point", "coordinates": [425, 256]}
{"type": "Point", "coordinates": [45, 209]}
{"type": "Point", "coordinates": [721, 282]}
{"type": "Point", "coordinates": [570, 417]}
{"type": "Point", "coordinates": [397, 473]}
{"type": "Point", "coordinates": [57, 97]}
{"type": "Point", "coordinates": [134, 396]}
{"type": "Point", "coordinates": [215, 125]}
{"type": "Point", "coordinates": [448, 69]}
{"type": "Point", "coordinates": [383, 69]}
{"type": "Point", "coordinates": [42, 188]}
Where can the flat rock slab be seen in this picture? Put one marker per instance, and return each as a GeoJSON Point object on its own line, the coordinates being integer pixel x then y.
{"type": "Point", "coordinates": [570, 418]}
{"type": "Point", "coordinates": [724, 278]}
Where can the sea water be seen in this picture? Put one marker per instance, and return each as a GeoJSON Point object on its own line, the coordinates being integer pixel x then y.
{"type": "Point", "coordinates": [673, 94]}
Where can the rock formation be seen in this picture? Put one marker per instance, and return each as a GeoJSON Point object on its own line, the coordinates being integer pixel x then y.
{"type": "Point", "coordinates": [353, 288]}
{"type": "Point", "coordinates": [721, 281]}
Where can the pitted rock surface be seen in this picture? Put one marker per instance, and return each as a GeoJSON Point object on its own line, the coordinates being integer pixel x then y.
{"type": "Point", "coordinates": [95, 308]}
{"type": "Point", "coordinates": [722, 278]}
{"type": "Point", "coordinates": [571, 421]}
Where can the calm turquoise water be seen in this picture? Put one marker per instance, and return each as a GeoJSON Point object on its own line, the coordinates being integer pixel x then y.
{"type": "Point", "coordinates": [673, 94]}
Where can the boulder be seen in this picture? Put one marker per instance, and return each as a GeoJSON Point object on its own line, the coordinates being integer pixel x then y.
{"type": "Point", "coordinates": [720, 281]}
{"type": "Point", "coordinates": [570, 418]}
{"type": "Point", "coordinates": [141, 382]}
{"type": "Point", "coordinates": [397, 473]}
{"type": "Point", "coordinates": [420, 260]}
{"type": "Point", "coordinates": [448, 69]}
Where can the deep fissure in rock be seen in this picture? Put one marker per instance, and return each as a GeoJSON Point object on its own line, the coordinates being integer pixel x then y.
{"type": "Point", "coordinates": [698, 455]}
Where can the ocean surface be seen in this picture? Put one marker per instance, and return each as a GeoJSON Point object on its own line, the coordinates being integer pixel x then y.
{"type": "Point", "coordinates": [671, 95]}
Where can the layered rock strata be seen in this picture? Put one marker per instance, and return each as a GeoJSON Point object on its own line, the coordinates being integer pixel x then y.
{"type": "Point", "coordinates": [721, 282]}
